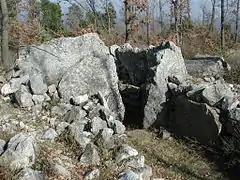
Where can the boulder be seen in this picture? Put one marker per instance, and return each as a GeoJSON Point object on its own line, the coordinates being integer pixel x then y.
{"type": "Point", "coordinates": [192, 119]}
{"type": "Point", "coordinates": [20, 152]}
{"type": "Point", "coordinates": [162, 64]}
{"type": "Point", "coordinates": [207, 66]}
{"type": "Point", "coordinates": [150, 69]}
{"type": "Point", "coordinates": [53, 58]}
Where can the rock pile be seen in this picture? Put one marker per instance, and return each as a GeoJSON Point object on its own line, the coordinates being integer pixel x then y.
{"type": "Point", "coordinates": [80, 87]}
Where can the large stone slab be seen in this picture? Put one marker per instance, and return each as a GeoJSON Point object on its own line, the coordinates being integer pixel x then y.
{"type": "Point", "coordinates": [93, 75]}
{"type": "Point", "coordinates": [195, 120]}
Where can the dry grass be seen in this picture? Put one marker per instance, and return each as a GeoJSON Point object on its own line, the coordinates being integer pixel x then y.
{"type": "Point", "coordinates": [173, 159]}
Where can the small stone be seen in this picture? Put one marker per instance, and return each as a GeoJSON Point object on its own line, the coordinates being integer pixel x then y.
{"type": "Point", "coordinates": [29, 174]}
{"type": "Point", "coordinates": [21, 125]}
{"type": "Point", "coordinates": [90, 156]}
{"type": "Point", "coordinates": [60, 170]}
{"type": "Point", "coordinates": [2, 145]}
{"type": "Point", "coordinates": [80, 100]}
{"type": "Point", "coordinates": [135, 162]}
{"type": "Point", "coordinates": [23, 97]}
{"type": "Point", "coordinates": [47, 98]}
{"type": "Point", "coordinates": [97, 125]}
{"type": "Point", "coordinates": [50, 134]}
{"type": "Point", "coordinates": [75, 114]}
{"type": "Point", "coordinates": [52, 89]}
{"type": "Point", "coordinates": [129, 175]}
{"type": "Point", "coordinates": [88, 106]}
{"type": "Point", "coordinates": [2, 79]}
{"type": "Point", "coordinates": [235, 114]}
{"type": "Point", "coordinates": [38, 99]}
{"type": "Point", "coordinates": [61, 127]}
{"type": "Point", "coordinates": [37, 85]}
{"type": "Point", "coordinates": [92, 175]}
{"type": "Point", "coordinates": [37, 109]}
{"type": "Point", "coordinates": [6, 89]}
{"type": "Point", "coordinates": [125, 152]}
{"type": "Point", "coordinates": [117, 126]}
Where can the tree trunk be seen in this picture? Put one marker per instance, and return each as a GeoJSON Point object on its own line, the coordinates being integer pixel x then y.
{"type": "Point", "coordinates": [5, 48]}
{"type": "Point", "coordinates": [127, 23]}
{"type": "Point", "coordinates": [222, 25]}
{"type": "Point", "coordinates": [237, 21]}
{"type": "Point", "coordinates": [211, 29]}
{"type": "Point", "coordinates": [161, 15]}
{"type": "Point", "coordinates": [148, 29]}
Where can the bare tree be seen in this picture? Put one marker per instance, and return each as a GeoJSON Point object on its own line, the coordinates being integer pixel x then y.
{"type": "Point", "coordinates": [222, 25]}
{"type": "Point", "coordinates": [213, 16]}
{"type": "Point", "coordinates": [237, 21]}
{"type": "Point", "coordinates": [160, 3]}
{"type": "Point", "coordinates": [5, 39]}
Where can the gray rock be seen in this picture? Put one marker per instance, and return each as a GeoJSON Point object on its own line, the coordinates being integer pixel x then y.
{"type": "Point", "coordinates": [229, 103]}
{"type": "Point", "coordinates": [61, 127]}
{"type": "Point", "coordinates": [105, 138]}
{"type": "Point", "coordinates": [92, 175]}
{"type": "Point", "coordinates": [37, 109]}
{"type": "Point", "coordinates": [50, 134]}
{"type": "Point", "coordinates": [23, 97]}
{"type": "Point", "coordinates": [30, 174]}
{"type": "Point", "coordinates": [79, 100]}
{"type": "Point", "coordinates": [20, 152]}
{"type": "Point", "coordinates": [81, 137]}
{"type": "Point", "coordinates": [38, 99]}
{"type": "Point", "coordinates": [2, 145]}
{"type": "Point", "coordinates": [6, 89]}
{"type": "Point", "coordinates": [172, 87]}
{"type": "Point", "coordinates": [2, 79]}
{"type": "Point", "coordinates": [61, 109]}
{"type": "Point", "coordinates": [46, 97]}
{"type": "Point", "coordinates": [16, 83]}
{"type": "Point", "coordinates": [165, 63]}
{"type": "Point", "coordinates": [37, 85]}
{"type": "Point", "coordinates": [125, 152]}
{"type": "Point", "coordinates": [135, 162]}
{"type": "Point", "coordinates": [75, 114]}
{"type": "Point", "coordinates": [145, 172]}
{"type": "Point", "coordinates": [113, 49]}
{"type": "Point", "coordinates": [55, 57]}
{"type": "Point", "coordinates": [117, 126]}
{"type": "Point", "coordinates": [215, 92]}
{"type": "Point", "coordinates": [207, 66]}
{"type": "Point", "coordinates": [94, 74]}
{"type": "Point", "coordinates": [199, 120]}
{"type": "Point", "coordinates": [234, 114]}
{"type": "Point", "coordinates": [52, 89]}
{"type": "Point", "coordinates": [159, 63]}
{"type": "Point", "coordinates": [62, 171]}
{"type": "Point", "coordinates": [97, 125]}
{"type": "Point", "coordinates": [90, 156]}
{"type": "Point", "coordinates": [129, 175]}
